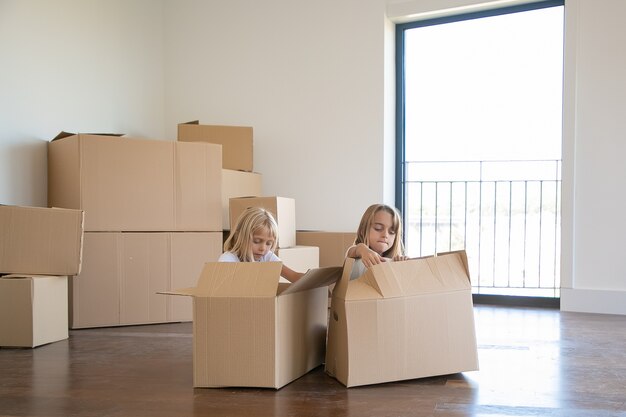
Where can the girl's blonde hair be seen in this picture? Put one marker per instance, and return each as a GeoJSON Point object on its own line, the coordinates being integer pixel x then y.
{"type": "Point", "coordinates": [397, 249]}
{"type": "Point", "coordinates": [249, 222]}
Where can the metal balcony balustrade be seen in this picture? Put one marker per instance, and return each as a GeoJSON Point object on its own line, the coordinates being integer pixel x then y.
{"type": "Point", "coordinates": [505, 214]}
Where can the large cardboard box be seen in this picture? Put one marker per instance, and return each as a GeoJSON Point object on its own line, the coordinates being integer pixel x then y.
{"type": "Point", "coordinates": [238, 184]}
{"type": "Point", "coordinates": [127, 184]}
{"type": "Point", "coordinates": [39, 240]}
{"type": "Point", "coordinates": [402, 320]}
{"type": "Point", "coordinates": [33, 310]}
{"type": "Point", "coordinates": [333, 245]}
{"type": "Point", "coordinates": [122, 273]}
{"type": "Point", "coordinates": [282, 208]}
{"type": "Point", "coordinates": [251, 331]}
{"type": "Point", "coordinates": [236, 141]}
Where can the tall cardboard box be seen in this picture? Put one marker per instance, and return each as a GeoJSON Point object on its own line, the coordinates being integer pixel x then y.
{"type": "Point", "coordinates": [123, 272]}
{"type": "Point", "coordinates": [136, 185]}
{"type": "Point", "coordinates": [282, 208]}
{"type": "Point", "coordinates": [251, 331]}
{"type": "Point", "coordinates": [39, 240]}
{"type": "Point", "coordinates": [333, 245]}
{"type": "Point", "coordinates": [236, 141]}
{"type": "Point", "coordinates": [402, 320]}
{"type": "Point", "coordinates": [238, 184]}
{"type": "Point", "coordinates": [33, 310]}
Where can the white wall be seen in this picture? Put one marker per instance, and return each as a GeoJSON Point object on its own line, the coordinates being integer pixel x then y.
{"type": "Point", "coordinates": [314, 81]}
{"type": "Point", "coordinates": [307, 76]}
{"type": "Point", "coordinates": [78, 66]}
{"type": "Point", "coordinates": [594, 178]}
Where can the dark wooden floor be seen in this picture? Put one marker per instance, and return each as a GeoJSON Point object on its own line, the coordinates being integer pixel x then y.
{"type": "Point", "coordinates": [533, 362]}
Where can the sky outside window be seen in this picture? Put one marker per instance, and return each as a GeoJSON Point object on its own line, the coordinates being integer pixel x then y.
{"type": "Point", "coordinates": [485, 89]}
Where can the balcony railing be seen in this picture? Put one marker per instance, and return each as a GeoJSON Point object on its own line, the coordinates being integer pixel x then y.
{"type": "Point", "coordinates": [505, 214]}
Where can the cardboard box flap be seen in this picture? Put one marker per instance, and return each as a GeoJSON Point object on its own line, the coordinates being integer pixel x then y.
{"type": "Point", "coordinates": [180, 291]}
{"type": "Point", "coordinates": [24, 276]}
{"type": "Point", "coordinates": [463, 258]}
{"type": "Point", "coordinates": [63, 135]}
{"type": "Point", "coordinates": [444, 272]}
{"type": "Point", "coordinates": [341, 288]}
{"type": "Point", "coordinates": [239, 279]}
{"type": "Point", "coordinates": [315, 278]}
{"type": "Point", "coordinates": [193, 122]}
{"type": "Point", "coordinates": [361, 290]}
{"type": "Point", "coordinates": [451, 271]}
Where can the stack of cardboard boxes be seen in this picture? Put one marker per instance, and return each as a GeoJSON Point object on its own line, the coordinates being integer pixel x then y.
{"type": "Point", "coordinates": [242, 189]}
{"type": "Point", "coordinates": [39, 248]}
{"type": "Point", "coordinates": [238, 176]}
{"type": "Point", "coordinates": [152, 219]}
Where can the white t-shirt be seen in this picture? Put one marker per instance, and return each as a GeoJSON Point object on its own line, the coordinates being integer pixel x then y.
{"type": "Point", "coordinates": [231, 257]}
{"type": "Point", "coordinates": [358, 269]}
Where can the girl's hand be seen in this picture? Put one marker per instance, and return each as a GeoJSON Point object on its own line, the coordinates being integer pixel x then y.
{"type": "Point", "coordinates": [368, 256]}
{"type": "Point", "coordinates": [400, 258]}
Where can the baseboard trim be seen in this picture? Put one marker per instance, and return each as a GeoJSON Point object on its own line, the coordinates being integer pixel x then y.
{"type": "Point", "coordinates": [593, 301]}
{"type": "Point", "coordinates": [516, 301]}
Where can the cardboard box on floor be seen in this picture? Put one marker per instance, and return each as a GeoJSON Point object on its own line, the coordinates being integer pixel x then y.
{"type": "Point", "coordinates": [123, 271]}
{"type": "Point", "coordinates": [333, 245]}
{"type": "Point", "coordinates": [238, 184]}
{"type": "Point", "coordinates": [236, 141]}
{"type": "Point", "coordinates": [39, 240]}
{"type": "Point", "coordinates": [402, 320]}
{"type": "Point", "coordinates": [283, 210]}
{"type": "Point", "coordinates": [33, 310]}
{"type": "Point", "coordinates": [249, 330]}
{"type": "Point", "coordinates": [127, 184]}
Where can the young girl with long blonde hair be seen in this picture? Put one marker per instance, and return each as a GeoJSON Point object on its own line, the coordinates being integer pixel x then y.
{"type": "Point", "coordinates": [254, 239]}
{"type": "Point", "coordinates": [379, 237]}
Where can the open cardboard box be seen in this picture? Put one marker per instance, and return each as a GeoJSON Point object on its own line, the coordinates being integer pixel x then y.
{"type": "Point", "coordinates": [249, 330]}
{"type": "Point", "coordinates": [402, 320]}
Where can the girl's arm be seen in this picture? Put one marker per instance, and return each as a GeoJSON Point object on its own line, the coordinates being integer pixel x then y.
{"type": "Point", "coordinates": [290, 274]}
{"type": "Point", "coordinates": [368, 256]}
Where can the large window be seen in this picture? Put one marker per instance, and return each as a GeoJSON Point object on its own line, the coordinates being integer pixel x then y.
{"type": "Point", "coordinates": [479, 143]}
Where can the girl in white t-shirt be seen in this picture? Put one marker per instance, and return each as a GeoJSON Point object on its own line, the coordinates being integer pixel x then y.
{"type": "Point", "coordinates": [254, 239]}
{"type": "Point", "coordinates": [378, 239]}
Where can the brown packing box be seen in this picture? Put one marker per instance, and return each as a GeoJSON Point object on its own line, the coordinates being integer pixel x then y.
{"type": "Point", "coordinates": [237, 184]}
{"type": "Point", "coordinates": [127, 184]}
{"type": "Point", "coordinates": [333, 245]}
{"type": "Point", "coordinates": [252, 331]}
{"type": "Point", "coordinates": [402, 320]}
{"type": "Point", "coordinates": [33, 310]}
{"type": "Point", "coordinates": [282, 208]}
{"type": "Point", "coordinates": [122, 273]}
{"type": "Point", "coordinates": [236, 141]}
{"type": "Point", "coordinates": [39, 240]}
